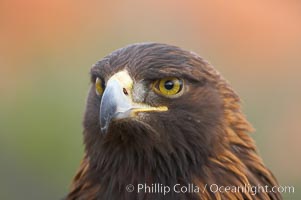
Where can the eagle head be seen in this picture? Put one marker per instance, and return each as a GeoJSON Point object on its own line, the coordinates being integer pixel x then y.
{"type": "Point", "coordinates": [159, 114]}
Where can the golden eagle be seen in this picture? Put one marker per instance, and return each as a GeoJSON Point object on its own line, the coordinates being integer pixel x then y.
{"type": "Point", "coordinates": [158, 116]}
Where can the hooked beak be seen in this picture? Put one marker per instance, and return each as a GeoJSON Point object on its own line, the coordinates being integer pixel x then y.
{"type": "Point", "coordinates": [117, 102]}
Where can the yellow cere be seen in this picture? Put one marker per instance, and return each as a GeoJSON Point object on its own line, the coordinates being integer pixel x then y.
{"type": "Point", "coordinates": [124, 79]}
{"type": "Point", "coordinates": [99, 86]}
{"type": "Point", "coordinates": [144, 108]}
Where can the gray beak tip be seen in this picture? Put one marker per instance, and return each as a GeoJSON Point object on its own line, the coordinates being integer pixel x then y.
{"type": "Point", "coordinates": [104, 130]}
{"type": "Point", "coordinates": [114, 105]}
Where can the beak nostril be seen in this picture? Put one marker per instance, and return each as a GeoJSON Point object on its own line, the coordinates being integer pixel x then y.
{"type": "Point", "coordinates": [125, 91]}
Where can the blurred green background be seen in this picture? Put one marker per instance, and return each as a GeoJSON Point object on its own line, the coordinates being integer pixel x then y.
{"type": "Point", "coordinates": [48, 47]}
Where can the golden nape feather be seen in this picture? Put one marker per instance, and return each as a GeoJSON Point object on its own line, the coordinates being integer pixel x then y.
{"type": "Point", "coordinates": [162, 123]}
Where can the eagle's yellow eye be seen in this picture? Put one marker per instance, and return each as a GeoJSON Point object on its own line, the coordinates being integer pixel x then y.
{"type": "Point", "coordinates": [99, 86]}
{"type": "Point", "coordinates": [168, 86]}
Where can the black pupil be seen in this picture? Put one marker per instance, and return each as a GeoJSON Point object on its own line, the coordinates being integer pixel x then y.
{"type": "Point", "coordinates": [168, 85]}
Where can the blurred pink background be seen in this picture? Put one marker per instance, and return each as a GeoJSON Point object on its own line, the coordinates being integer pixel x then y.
{"type": "Point", "coordinates": [47, 48]}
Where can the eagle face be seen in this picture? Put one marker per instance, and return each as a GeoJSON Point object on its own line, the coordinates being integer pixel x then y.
{"type": "Point", "coordinates": [154, 96]}
{"type": "Point", "coordinates": [157, 114]}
